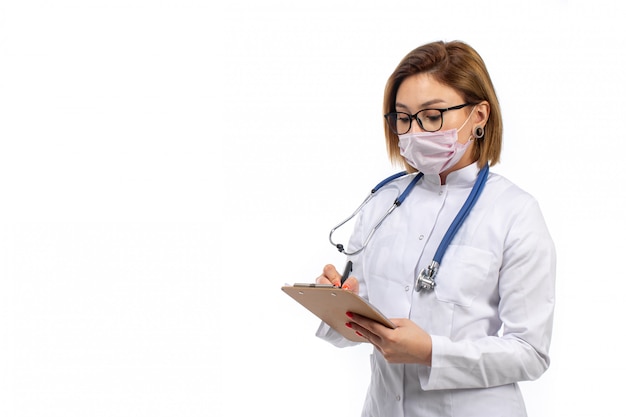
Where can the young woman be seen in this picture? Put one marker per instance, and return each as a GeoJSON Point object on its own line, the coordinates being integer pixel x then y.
{"type": "Point", "coordinates": [473, 307]}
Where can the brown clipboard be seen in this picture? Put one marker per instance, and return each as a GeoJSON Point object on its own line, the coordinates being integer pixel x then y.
{"type": "Point", "coordinates": [330, 304]}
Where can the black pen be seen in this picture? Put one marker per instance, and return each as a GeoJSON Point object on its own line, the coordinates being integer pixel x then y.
{"type": "Point", "coordinates": [346, 272]}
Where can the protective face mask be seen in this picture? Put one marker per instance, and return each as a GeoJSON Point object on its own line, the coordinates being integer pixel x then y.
{"type": "Point", "coordinates": [433, 152]}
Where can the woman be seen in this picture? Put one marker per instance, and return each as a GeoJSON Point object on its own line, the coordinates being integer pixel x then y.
{"type": "Point", "coordinates": [472, 324]}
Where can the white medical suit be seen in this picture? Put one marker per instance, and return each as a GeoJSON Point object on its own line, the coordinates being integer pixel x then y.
{"type": "Point", "coordinates": [490, 314]}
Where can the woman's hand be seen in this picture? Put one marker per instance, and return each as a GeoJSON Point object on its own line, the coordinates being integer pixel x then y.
{"type": "Point", "coordinates": [331, 276]}
{"type": "Point", "coordinates": [407, 343]}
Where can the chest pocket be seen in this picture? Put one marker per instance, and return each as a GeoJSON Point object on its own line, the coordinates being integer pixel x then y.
{"type": "Point", "coordinates": [463, 273]}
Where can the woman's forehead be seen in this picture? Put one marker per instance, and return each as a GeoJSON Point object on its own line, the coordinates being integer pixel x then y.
{"type": "Point", "coordinates": [423, 90]}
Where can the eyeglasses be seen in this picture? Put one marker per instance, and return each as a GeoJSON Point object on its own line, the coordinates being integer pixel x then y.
{"type": "Point", "coordinates": [429, 120]}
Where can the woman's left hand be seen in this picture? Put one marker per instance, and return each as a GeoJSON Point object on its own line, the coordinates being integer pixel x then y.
{"type": "Point", "coordinates": [407, 343]}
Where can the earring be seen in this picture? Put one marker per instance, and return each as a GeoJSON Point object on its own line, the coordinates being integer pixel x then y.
{"type": "Point", "coordinates": [479, 132]}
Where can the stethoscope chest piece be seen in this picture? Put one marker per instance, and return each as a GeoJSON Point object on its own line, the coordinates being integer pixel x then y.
{"type": "Point", "coordinates": [426, 278]}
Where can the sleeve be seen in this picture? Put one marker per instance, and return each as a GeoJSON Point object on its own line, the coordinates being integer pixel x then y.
{"type": "Point", "coordinates": [526, 286]}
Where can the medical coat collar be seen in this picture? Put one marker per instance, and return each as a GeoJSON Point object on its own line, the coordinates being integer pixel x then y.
{"type": "Point", "coordinates": [464, 177]}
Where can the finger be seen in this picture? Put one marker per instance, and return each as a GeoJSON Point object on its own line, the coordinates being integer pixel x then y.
{"type": "Point", "coordinates": [371, 328]}
{"type": "Point", "coordinates": [365, 334]}
{"type": "Point", "coordinates": [356, 328]}
{"type": "Point", "coordinates": [351, 284]}
{"type": "Point", "coordinates": [322, 280]}
{"type": "Point", "coordinates": [331, 274]}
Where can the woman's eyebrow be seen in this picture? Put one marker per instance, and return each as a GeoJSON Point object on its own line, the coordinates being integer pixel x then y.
{"type": "Point", "coordinates": [431, 102]}
{"type": "Point", "coordinates": [423, 105]}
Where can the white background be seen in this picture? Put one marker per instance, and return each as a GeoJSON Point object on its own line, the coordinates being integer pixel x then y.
{"type": "Point", "coordinates": [165, 166]}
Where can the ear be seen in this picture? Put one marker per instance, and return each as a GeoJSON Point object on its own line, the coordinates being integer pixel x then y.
{"type": "Point", "coordinates": [481, 115]}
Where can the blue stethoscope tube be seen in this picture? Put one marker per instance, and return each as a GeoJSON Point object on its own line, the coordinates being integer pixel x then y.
{"type": "Point", "coordinates": [426, 277]}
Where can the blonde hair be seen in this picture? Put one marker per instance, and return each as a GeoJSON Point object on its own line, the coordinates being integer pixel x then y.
{"type": "Point", "coordinates": [458, 66]}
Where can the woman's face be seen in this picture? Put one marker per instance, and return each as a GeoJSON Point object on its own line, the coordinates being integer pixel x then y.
{"type": "Point", "coordinates": [422, 91]}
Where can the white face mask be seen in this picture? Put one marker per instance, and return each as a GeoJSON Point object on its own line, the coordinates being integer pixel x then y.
{"type": "Point", "coordinates": [433, 152]}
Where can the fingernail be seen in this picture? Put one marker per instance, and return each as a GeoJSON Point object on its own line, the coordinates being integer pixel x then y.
{"type": "Point", "coordinates": [349, 314]}
{"type": "Point", "coordinates": [358, 334]}
{"type": "Point", "coordinates": [346, 287]}
{"type": "Point", "coordinates": [349, 325]}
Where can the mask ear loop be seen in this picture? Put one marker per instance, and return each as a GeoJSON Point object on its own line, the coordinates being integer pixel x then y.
{"type": "Point", "coordinates": [466, 120]}
{"type": "Point", "coordinates": [471, 137]}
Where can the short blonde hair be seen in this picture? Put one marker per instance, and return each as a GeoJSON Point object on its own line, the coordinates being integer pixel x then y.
{"type": "Point", "coordinates": [458, 66]}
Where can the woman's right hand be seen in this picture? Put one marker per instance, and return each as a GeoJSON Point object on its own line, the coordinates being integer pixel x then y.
{"type": "Point", "coordinates": [331, 276]}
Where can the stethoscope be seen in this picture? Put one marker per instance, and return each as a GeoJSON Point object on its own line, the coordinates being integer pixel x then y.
{"type": "Point", "coordinates": [426, 278]}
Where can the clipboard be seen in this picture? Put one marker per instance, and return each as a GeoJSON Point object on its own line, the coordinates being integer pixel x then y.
{"type": "Point", "coordinates": [330, 304]}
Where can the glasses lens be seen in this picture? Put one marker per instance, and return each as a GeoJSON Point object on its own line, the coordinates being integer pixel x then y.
{"type": "Point", "coordinates": [399, 122]}
{"type": "Point", "coordinates": [430, 119]}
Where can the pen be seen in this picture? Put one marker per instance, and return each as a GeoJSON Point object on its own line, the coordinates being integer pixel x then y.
{"type": "Point", "coordinates": [346, 272]}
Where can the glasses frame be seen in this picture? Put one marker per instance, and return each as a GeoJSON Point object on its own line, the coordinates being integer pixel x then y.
{"type": "Point", "coordinates": [418, 120]}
